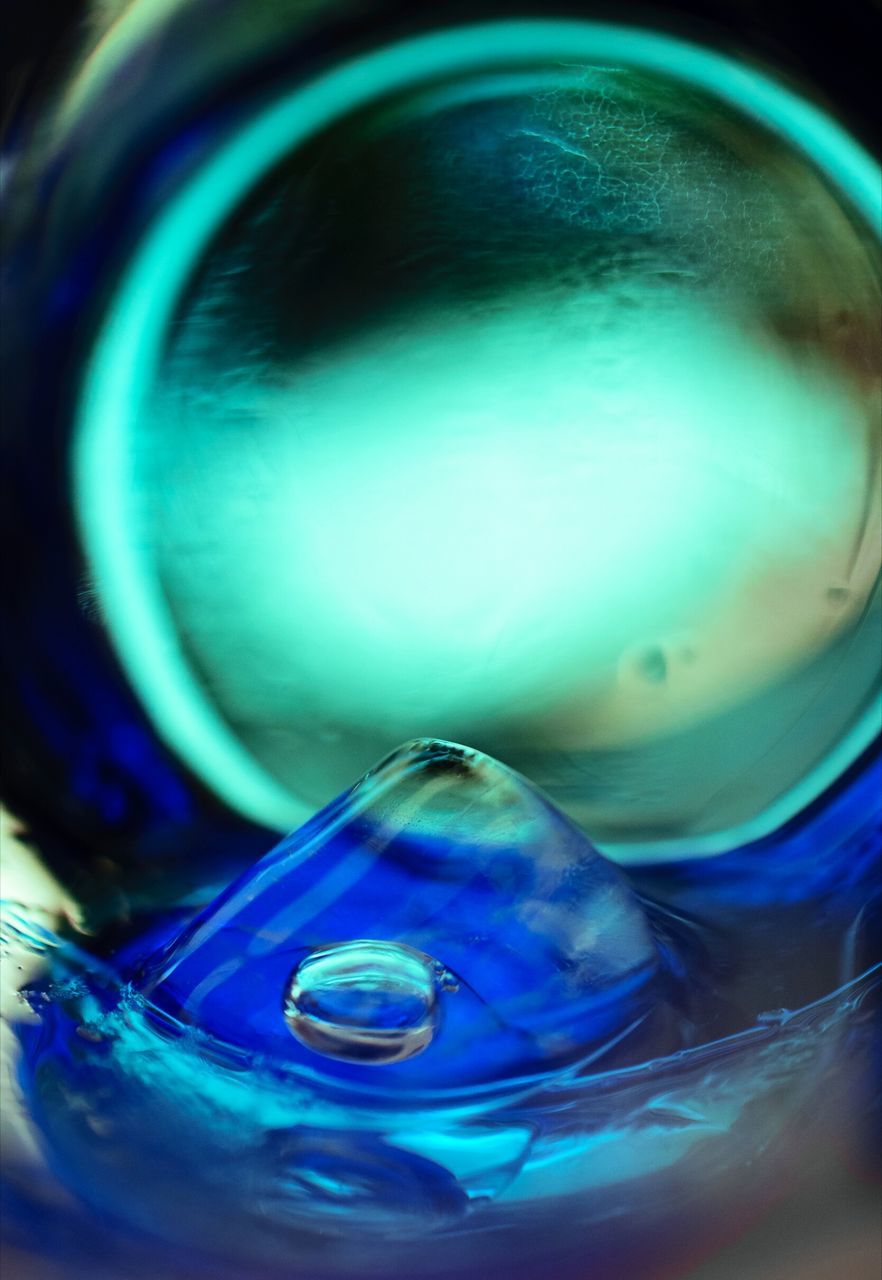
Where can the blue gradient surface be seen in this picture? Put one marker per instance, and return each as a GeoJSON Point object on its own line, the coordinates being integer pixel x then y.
{"type": "Point", "coordinates": [447, 853]}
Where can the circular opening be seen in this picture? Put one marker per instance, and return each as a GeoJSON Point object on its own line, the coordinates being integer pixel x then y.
{"type": "Point", "coordinates": [514, 385]}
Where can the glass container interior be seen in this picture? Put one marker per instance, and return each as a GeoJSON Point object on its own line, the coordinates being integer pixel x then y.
{"type": "Point", "coordinates": [533, 406]}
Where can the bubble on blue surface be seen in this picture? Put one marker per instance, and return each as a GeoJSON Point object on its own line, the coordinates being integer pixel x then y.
{"type": "Point", "coordinates": [364, 1001]}
{"type": "Point", "coordinates": [265, 1165]}
{"type": "Point", "coordinates": [441, 918]}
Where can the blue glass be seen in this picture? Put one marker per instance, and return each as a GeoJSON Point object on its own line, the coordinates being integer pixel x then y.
{"type": "Point", "coordinates": [443, 899]}
{"type": "Point", "coordinates": [324, 1065]}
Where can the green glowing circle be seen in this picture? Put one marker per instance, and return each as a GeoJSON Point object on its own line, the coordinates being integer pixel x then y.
{"type": "Point", "coordinates": [128, 353]}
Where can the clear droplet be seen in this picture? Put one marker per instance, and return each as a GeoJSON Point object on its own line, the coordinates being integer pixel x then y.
{"type": "Point", "coordinates": [365, 1001]}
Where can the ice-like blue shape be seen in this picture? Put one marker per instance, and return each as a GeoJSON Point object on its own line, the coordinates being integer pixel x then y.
{"type": "Point", "coordinates": [295, 1140]}
{"type": "Point", "coordinates": [439, 926]}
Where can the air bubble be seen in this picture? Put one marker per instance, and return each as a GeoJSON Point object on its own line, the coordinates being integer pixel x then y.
{"type": "Point", "coordinates": [365, 1001]}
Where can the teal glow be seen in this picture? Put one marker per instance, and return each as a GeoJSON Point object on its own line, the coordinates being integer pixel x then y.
{"type": "Point", "coordinates": [128, 351]}
{"type": "Point", "coordinates": [471, 540]}
{"type": "Point", "coordinates": [160, 1081]}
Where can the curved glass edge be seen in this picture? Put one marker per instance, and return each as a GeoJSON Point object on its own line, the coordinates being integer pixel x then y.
{"type": "Point", "coordinates": [783, 810]}
{"type": "Point", "coordinates": [111, 997]}
{"type": "Point", "coordinates": [551, 1169]}
{"type": "Point", "coordinates": [128, 349]}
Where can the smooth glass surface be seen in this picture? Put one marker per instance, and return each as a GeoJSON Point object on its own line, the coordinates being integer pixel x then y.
{"type": "Point", "coordinates": [440, 919]}
{"type": "Point", "coordinates": [522, 404]}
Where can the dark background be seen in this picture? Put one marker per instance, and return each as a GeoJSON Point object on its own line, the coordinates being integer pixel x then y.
{"type": "Point", "coordinates": [834, 45]}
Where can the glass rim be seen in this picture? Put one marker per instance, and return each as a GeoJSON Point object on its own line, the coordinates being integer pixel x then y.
{"type": "Point", "coordinates": [128, 348]}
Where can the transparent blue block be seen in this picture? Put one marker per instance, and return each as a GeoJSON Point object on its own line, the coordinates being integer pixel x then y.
{"type": "Point", "coordinates": [439, 926]}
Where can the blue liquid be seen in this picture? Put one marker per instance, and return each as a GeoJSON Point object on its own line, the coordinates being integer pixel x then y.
{"type": "Point", "coordinates": [440, 852]}
{"type": "Point", "coordinates": [461, 1120]}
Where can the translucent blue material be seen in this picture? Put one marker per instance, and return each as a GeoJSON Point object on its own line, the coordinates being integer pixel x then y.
{"type": "Point", "coordinates": [442, 899]}
{"type": "Point", "coordinates": [378, 1078]}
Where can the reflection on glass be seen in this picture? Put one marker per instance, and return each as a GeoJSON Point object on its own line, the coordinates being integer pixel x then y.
{"type": "Point", "coordinates": [536, 411]}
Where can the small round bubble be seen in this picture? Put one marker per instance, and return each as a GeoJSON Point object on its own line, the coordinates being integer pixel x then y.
{"type": "Point", "coordinates": [365, 1001]}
